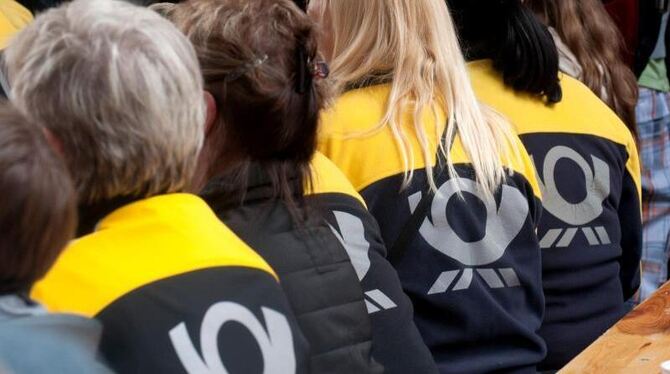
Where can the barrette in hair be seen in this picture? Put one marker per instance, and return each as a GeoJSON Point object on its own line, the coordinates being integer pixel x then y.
{"type": "Point", "coordinates": [245, 68]}
{"type": "Point", "coordinates": [319, 69]}
{"type": "Point", "coordinates": [308, 70]}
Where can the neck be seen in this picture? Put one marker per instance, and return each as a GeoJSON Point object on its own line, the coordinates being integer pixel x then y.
{"type": "Point", "coordinates": [91, 214]}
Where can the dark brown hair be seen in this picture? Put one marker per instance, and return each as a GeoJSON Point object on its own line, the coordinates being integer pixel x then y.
{"type": "Point", "coordinates": [37, 205]}
{"type": "Point", "coordinates": [253, 55]}
{"type": "Point", "coordinates": [517, 42]}
{"type": "Point", "coordinates": [586, 28]}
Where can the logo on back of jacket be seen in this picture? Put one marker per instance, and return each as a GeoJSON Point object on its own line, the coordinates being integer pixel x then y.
{"type": "Point", "coordinates": [275, 340]}
{"type": "Point", "coordinates": [502, 223]}
{"type": "Point", "coordinates": [577, 217]}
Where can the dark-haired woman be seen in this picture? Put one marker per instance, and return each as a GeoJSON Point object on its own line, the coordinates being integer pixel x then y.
{"type": "Point", "coordinates": [295, 208]}
{"type": "Point", "coordinates": [587, 165]}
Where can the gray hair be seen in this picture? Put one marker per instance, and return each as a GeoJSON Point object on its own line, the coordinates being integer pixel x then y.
{"type": "Point", "coordinates": [120, 87]}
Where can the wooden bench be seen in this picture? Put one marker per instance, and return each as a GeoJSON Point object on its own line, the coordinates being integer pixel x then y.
{"type": "Point", "coordinates": [637, 344]}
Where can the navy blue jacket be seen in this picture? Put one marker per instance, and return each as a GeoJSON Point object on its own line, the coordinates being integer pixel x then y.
{"type": "Point", "coordinates": [590, 232]}
{"type": "Point", "coordinates": [473, 268]}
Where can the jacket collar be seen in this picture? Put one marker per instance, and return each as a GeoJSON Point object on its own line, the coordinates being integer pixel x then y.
{"type": "Point", "coordinates": [91, 214]}
{"type": "Point", "coordinates": [226, 191]}
{"type": "Point", "coordinates": [98, 216]}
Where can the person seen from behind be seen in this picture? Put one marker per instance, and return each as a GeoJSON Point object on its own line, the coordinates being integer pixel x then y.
{"type": "Point", "coordinates": [120, 90]}
{"type": "Point", "coordinates": [37, 219]}
{"type": "Point", "coordinates": [588, 169]}
{"type": "Point", "coordinates": [450, 184]}
{"type": "Point", "coordinates": [266, 85]}
{"type": "Point", "coordinates": [653, 122]}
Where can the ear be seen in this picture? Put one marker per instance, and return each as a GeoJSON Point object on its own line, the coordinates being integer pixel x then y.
{"type": "Point", "coordinates": [55, 143]}
{"type": "Point", "coordinates": [212, 112]}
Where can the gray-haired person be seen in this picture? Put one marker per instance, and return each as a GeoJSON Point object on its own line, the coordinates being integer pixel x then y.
{"type": "Point", "coordinates": [119, 88]}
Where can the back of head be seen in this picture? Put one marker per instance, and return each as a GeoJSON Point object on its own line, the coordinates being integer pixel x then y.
{"type": "Point", "coordinates": [413, 45]}
{"type": "Point", "coordinates": [519, 45]}
{"type": "Point", "coordinates": [257, 59]}
{"type": "Point", "coordinates": [37, 204]}
{"type": "Point", "coordinates": [591, 35]}
{"type": "Point", "coordinates": [120, 88]}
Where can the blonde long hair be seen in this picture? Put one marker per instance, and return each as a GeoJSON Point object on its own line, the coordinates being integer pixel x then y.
{"type": "Point", "coordinates": [412, 43]}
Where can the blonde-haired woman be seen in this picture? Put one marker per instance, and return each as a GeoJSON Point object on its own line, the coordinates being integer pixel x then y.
{"type": "Point", "coordinates": [453, 189]}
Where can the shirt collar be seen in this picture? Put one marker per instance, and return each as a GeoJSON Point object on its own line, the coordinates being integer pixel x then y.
{"type": "Point", "coordinates": [18, 305]}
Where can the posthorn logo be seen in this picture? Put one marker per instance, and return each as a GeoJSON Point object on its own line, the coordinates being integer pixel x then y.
{"type": "Point", "coordinates": [576, 216]}
{"type": "Point", "coordinates": [503, 223]}
{"type": "Point", "coordinates": [275, 340]}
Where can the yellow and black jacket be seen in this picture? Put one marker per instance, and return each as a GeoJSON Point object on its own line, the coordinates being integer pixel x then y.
{"type": "Point", "coordinates": [13, 18]}
{"type": "Point", "coordinates": [473, 269]}
{"type": "Point", "coordinates": [590, 230]}
{"type": "Point", "coordinates": [313, 259]}
{"type": "Point", "coordinates": [165, 276]}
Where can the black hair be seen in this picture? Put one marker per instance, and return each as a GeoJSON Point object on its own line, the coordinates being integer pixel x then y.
{"type": "Point", "coordinates": [517, 42]}
{"type": "Point", "coordinates": [302, 4]}
{"type": "Point", "coordinates": [36, 6]}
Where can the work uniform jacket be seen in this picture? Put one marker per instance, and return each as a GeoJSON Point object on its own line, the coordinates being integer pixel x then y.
{"type": "Point", "coordinates": [472, 265]}
{"type": "Point", "coordinates": [331, 264]}
{"type": "Point", "coordinates": [590, 231]}
{"type": "Point", "coordinates": [176, 292]}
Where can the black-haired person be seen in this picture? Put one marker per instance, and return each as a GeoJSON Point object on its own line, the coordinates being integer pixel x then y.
{"type": "Point", "coordinates": [293, 206]}
{"type": "Point", "coordinates": [587, 164]}
{"type": "Point", "coordinates": [37, 219]}
{"type": "Point", "coordinates": [120, 89]}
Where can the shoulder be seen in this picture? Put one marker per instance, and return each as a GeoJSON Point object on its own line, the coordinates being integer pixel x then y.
{"type": "Point", "coordinates": [327, 178]}
{"type": "Point", "coordinates": [50, 343]}
{"type": "Point", "coordinates": [580, 112]}
{"type": "Point", "coordinates": [140, 244]}
{"type": "Point", "coordinates": [355, 110]}
{"type": "Point", "coordinates": [13, 17]}
{"type": "Point", "coordinates": [518, 162]}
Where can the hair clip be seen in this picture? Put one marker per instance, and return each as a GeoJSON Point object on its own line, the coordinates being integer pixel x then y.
{"type": "Point", "coordinates": [239, 72]}
{"type": "Point", "coordinates": [319, 70]}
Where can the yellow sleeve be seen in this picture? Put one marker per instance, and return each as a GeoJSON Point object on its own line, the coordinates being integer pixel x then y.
{"type": "Point", "coordinates": [328, 178]}
{"type": "Point", "coordinates": [13, 18]}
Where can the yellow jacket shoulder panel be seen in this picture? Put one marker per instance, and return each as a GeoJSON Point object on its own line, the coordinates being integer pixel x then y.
{"type": "Point", "coordinates": [328, 178]}
{"type": "Point", "coordinates": [580, 112]}
{"type": "Point", "coordinates": [352, 137]}
{"type": "Point", "coordinates": [138, 244]}
{"type": "Point", "coordinates": [13, 18]}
